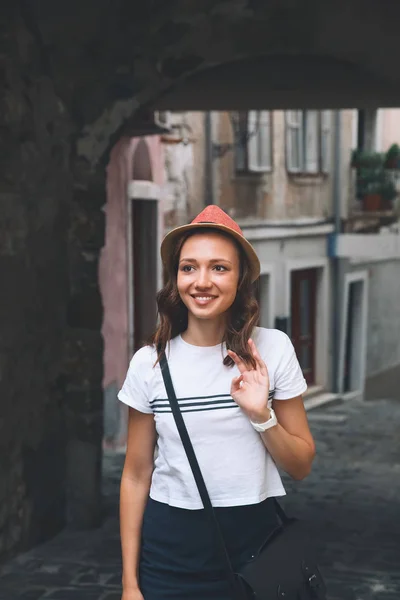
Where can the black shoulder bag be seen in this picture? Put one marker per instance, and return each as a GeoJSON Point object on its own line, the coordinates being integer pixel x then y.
{"type": "Point", "coordinates": [284, 568]}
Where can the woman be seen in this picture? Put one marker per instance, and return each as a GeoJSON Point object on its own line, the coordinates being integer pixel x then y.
{"type": "Point", "coordinates": [240, 391]}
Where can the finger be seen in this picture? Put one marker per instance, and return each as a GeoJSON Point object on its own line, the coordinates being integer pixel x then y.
{"type": "Point", "coordinates": [237, 380]}
{"type": "Point", "coordinates": [260, 363]}
{"type": "Point", "coordinates": [237, 383]}
{"type": "Point", "coordinates": [249, 376]}
{"type": "Point", "coordinates": [238, 361]}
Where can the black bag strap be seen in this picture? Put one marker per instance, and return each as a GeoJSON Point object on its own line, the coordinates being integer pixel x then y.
{"type": "Point", "coordinates": [194, 465]}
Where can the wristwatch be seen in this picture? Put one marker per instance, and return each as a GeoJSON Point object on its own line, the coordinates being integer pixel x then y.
{"type": "Point", "coordinates": [272, 421]}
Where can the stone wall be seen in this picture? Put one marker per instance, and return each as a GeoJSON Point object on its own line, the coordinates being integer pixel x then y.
{"type": "Point", "coordinates": [51, 232]}
{"type": "Point", "coordinates": [35, 185]}
{"type": "Point", "coordinates": [83, 366]}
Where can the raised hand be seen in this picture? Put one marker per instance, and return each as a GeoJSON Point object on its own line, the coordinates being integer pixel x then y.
{"type": "Point", "coordinates": [250, 389]}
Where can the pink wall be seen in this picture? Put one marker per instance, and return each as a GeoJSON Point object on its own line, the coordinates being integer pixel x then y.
{"type": "Point", "coordinates": [390, 127]}
{"type": "Point", "coordinates": [113, 267]}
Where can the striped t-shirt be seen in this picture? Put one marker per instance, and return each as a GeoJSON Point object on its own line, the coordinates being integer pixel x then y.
{"type": "Point", "coordinates": [236, 466]}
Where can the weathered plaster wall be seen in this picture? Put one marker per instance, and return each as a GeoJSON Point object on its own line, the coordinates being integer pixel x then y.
{"type": "Point", "coordinates": [383, 334]}
{"type": "Point", "coordinates": [113, 269]}
{"type": "Point", "coordinates": [197, 175]}
{"type": "Point", "coordinates": [183, 194]}
{"type": "Point", "coordinates": [276, 194]}
{"type": "Point", "coordinates": [390, 128]}
{"type": "Point", "coordinates": [113, 264]}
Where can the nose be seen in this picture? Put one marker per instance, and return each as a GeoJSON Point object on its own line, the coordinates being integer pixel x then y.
{"type": "Point", "coordinates": [203, 279]}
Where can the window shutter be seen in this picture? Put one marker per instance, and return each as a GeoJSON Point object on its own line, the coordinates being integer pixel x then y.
{"type": "Point", "coordinates": [253, 142]}
{"type": "Point", "coordinates": [265, 140]}
{"type": "Point", "coordinates": [311, 141]}
{"type": "Point", "coordinates": [326, 121]}
{"type": "Point", "coordinates": [294, 141]}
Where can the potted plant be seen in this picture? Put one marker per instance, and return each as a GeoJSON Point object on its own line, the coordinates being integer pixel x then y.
{"type": "Point", "coordinates": [376, 189]}
{"type": "Point", "coordinates": [392, 158]}
{"type": "Point", "coordinates": [363, 159]}
{"type": "Point", "coordinates": [369, 188]}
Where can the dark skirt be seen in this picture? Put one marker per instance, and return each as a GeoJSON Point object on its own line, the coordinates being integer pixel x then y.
{"type": "Point", "coordinates": [179, 557]}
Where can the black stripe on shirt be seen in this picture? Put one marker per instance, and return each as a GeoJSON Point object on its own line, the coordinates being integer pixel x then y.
{"type": "Point", "coordinates": [165, 403]}
{"type": "Point", "coordinates": [187, 410]}
{"type": "Point", "coordinates": [194, 398]}
{"type": "Point", "coordinates": [161, 405]}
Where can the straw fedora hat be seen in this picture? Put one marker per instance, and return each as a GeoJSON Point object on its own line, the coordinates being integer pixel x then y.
{"type": "Point", "coordinates": [213, 217]}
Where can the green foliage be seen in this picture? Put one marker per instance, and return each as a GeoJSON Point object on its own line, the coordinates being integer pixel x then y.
{"type": "Point", "coordinates": [392, 158]}
{"type": "Point", "coordinates": [393, 152]}
{"type": "Point", "coordinates": [367, 160]}
{"type": "Point", "coordinates": [375, 172]}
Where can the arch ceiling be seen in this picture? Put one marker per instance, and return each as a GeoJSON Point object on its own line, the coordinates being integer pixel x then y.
{"type": "Point", "coordinates": [108, 58]}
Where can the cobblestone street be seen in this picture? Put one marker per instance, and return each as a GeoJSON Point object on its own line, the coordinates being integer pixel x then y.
{"type": "Point", "coordinates": [351, 500]}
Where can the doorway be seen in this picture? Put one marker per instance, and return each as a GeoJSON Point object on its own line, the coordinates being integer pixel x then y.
{"type": "Point", "coordinates": [303, 319]}
{"type": "Point", "coordinates": [144, 220]}
{"type": "Point", "coordinates": [354, 340]}
{"type": "Point", "coordinates": [262, 291]}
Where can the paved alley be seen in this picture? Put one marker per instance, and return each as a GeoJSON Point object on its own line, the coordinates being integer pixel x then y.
{"type": "Point", "coordinates": [351, 501]}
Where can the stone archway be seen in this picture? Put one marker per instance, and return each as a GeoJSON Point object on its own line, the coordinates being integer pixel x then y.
{"type": "Point", "coordinates": [72, 87]}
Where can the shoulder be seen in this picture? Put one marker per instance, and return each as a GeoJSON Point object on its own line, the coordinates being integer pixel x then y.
{"type": "Point", "coordinates": [285, 373]}
{"type": "Point", "coordinates": [273, 339]}
{"type": "Point", "coordinates": [144, 358]}
{"type": "Point", "coordinates": [274, 346]}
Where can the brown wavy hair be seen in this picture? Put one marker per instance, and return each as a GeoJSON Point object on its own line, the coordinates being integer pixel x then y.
{"type": "Point", "coordinates": [243, 315]}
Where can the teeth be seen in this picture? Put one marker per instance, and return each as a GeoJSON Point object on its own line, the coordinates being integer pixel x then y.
{"type": "Point", "coordinates": [203, 297]}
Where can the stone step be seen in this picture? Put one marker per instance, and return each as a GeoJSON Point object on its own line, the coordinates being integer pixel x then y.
{"type": "Point", "coordinates": [313, 390]}
{"type": "Point", "coordinates": [320, 399]}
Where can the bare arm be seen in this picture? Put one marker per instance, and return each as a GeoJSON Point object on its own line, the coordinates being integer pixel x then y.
{"type": "Point", "coordinates": [290, 443]}
{"type": "Point", "coordinates": [135, 486]}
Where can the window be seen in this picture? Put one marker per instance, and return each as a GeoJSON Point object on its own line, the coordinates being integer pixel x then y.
{"type": "Point", "coordinates": [253, 147]}
{"type": "Point", "coordinates": [308, 140]}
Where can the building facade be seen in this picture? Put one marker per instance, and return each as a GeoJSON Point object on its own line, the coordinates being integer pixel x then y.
{"type": "Point", "coordinates": [368, 250]}
{"type": "Point", "coordinates": [287, 178]}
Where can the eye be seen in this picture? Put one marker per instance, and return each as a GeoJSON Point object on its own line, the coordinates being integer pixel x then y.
{"type": "Point", "coordinates": [186, 268]}
{"type": "Point", "coordinates": [220, 268]}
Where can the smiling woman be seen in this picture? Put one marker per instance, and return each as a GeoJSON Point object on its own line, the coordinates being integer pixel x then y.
{"type": "Point", "coordinates": [207, 285]}
{"type": "Point", "coordinates": [240, 389]}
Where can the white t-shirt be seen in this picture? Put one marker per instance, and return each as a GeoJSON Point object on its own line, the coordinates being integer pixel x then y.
{"type": "Point", "coordinates": [237, 468]}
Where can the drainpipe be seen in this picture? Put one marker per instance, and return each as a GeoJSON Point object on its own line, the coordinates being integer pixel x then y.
{"type": "Point", "coordinates": [208, 160]}
{"type": "Point", "coordinates": [336, 262]}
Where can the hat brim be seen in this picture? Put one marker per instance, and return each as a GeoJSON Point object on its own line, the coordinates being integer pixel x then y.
{"type": "Point", "coordinates": [171, 237]}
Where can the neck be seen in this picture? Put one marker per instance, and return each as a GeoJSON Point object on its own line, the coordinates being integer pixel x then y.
{"type": "Point", "coordinates": [201, 332]}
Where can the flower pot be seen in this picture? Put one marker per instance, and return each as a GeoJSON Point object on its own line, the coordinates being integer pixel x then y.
{"type": "Point", "coordinates": [372, 202]}
{"type": "Point", "coordinates": [392, 163]}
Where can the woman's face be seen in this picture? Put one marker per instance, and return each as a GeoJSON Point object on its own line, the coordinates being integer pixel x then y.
{"type": "Point", "coordinates": [208, 274]}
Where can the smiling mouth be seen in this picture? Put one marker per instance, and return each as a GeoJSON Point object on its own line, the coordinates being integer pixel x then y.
{"type": "Point", "coordinates": [203, 299]}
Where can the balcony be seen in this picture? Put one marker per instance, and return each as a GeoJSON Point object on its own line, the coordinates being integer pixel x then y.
{"type": "Point", "coordinates": [371, 230]}
{"type": "Point", "coordinates": [360, 220]}
{"type": "Point", "coordinates": [375, 185]}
